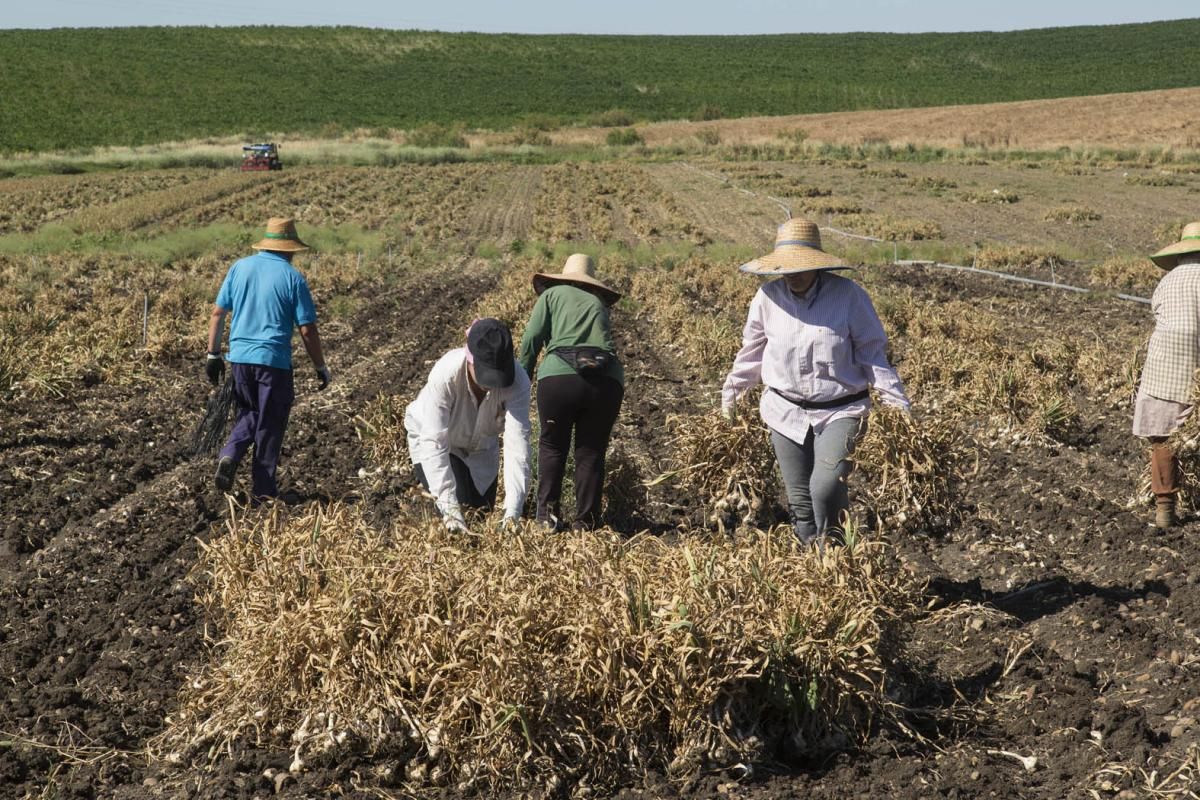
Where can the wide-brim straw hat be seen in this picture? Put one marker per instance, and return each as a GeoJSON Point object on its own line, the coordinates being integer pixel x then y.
{"type": "Point", "coordinates": [281, 235]}
{"type": "Point", "coordinates": [797, 249]}
{"type": "Point", "coordinates": [579, 270]}
{"type": "Point", "coordinates": [1189, 242]}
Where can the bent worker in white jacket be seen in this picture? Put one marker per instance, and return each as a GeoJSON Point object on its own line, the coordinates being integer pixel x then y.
{"type": "Point", "coordinates": [472, 394]}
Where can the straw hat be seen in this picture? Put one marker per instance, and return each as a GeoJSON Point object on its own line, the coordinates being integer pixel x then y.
{"type": "Point", "coordinates": [1189, 242]}
{"type": "Point", "coordinates": [797, 249]}
{"type": "Point", "coordinates": [580, 270]}
{"type": "Point", "coordinates": [281, 235]}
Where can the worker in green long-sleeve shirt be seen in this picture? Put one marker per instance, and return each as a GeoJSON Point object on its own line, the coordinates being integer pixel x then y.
{"type": "Point", "coordinates": [580, 385]}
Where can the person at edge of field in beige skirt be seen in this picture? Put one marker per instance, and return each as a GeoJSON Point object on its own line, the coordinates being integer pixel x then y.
{"type": "Point", "coordinates": [1164, 398]}
{"type": "Point", "coordinates": [813, 339]}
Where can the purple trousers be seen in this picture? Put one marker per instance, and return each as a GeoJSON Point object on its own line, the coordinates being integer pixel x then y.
{"type": "Point", "coordinates": [264, 397]}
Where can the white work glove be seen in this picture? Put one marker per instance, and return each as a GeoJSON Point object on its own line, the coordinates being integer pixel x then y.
{"type": "Point", "coordinates": [510, 522]}
{"type": "Point", "coordinates": [729, 412]}
{"type": "Point", "coordinates": [454, 522]}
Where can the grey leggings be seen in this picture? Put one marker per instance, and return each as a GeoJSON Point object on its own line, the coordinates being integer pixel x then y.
{"type": "Point", "coordinates": [814, 474]}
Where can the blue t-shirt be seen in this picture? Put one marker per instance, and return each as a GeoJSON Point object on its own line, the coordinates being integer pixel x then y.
{"type": "Point", "coordinates": [268, 298]}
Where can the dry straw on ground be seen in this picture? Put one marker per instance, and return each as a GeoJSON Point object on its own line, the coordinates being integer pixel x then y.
{"type": "Point", "coordinates": [1001, 257]}
{"type": "Point", "coordinates": [513, 298]}
{"type": "Point", "coordinates": [933, 183]}
{"type": "Point", "coordinates": [995, 197]}
{"type": "Point", "coordinates": [1071, 215]}
{"type": "Point", "coordinates": [957, 356]}
{"type": "Point", "coordinates": [1127, 274]}
{"type": "Point", "coordinates": [1154, 179]}
{"type": "Point", "coordinates": [824, 205]}
{"type": "Point", "coordinates": [707, 341]}
{"type": "Point", "coordinates": [380, 427]}
{"type": "Point", "coordinates": [512, 660]}
{"type": "Point", "coordinates": [1177, 776]}
{"type": "Point", "coordinates": [911, 473]}
{"type": "Point", "coordinates": [889, 228]}
{"type": "Point", "coordinates": [625, 491]}
{"type": "Point", "coordinates": [729, 466]}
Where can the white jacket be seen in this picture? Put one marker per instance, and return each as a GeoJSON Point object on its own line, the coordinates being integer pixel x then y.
{"type": "Point", "coordinates": [446, 419]}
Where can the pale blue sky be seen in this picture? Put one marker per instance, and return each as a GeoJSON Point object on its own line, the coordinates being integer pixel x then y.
{"type": "Point", "coordinates": [600, 16]}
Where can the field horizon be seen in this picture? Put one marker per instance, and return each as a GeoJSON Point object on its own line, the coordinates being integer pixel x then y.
{"type": "Point", "coordinates": [1147, 127]}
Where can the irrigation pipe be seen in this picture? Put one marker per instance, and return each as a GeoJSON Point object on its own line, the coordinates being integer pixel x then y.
{"type": "Point", "coordinates": [1016, 278]}
{"type": "Point", "coordinates": [1005, 276]}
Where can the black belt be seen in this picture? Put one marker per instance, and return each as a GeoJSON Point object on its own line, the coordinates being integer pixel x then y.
{"type": "Point", "coordinates": [816, 405]}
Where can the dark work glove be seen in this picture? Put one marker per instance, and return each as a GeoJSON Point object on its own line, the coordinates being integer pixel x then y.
{"type": "Point", "coordinates": [324, 376]}
{"type": "Point", "coordinates": [215, 368]}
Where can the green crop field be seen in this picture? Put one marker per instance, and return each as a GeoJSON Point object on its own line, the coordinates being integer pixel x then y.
{"type": "Point", "coordinates": [71, 88]}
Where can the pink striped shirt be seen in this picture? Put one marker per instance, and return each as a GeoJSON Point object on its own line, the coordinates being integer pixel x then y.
{"type": "Point", "coordinates": [822, 346]}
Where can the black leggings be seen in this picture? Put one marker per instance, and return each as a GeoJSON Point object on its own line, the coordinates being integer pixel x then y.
{"type": "Point", "coordinates": [464, 488]}
{"type": "Point", "coordinates": [589, 407]}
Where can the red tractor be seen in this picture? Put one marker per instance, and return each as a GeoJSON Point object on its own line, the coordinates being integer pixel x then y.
{"type": "Point", "coordinates": [260, 158]}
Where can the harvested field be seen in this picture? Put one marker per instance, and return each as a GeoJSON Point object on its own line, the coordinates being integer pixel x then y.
{"type": "Point", "coordinates": [1023, 607]}
{"type": "Point", "coordinates": [1164, 119]}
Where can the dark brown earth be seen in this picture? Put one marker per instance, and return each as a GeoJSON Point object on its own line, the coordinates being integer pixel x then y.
{"type": "Point", "coordinates": [1059, 624]}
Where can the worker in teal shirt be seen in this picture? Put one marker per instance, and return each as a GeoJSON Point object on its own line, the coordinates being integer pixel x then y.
{"type": "Point", "coordinates": [268, 298]}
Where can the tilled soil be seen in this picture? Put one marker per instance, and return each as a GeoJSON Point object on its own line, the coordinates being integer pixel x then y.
{"type": "Point", "coordinates": [1060, 626]}
{"type": "Point", "coordinates": [103, 510]}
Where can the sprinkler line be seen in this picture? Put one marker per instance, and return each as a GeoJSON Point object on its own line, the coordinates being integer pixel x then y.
{"type": "Point", "coordinates": [1007, 276]}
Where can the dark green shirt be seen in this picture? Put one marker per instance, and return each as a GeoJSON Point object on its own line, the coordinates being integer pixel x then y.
{"type": "Point", "coordinates": [567, 316]}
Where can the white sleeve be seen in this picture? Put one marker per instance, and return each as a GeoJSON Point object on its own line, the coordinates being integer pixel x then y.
{"type": "Point", "coordinates": [516, 446]}
{"type": "Point", "coordinates": [747, 366]}
{"type": "Point", "coordinates": [432, 412]}
{"type": "Point", "coordinates": [870, 350]}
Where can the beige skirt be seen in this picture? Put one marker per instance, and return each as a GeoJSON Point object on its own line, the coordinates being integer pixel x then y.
{"type": "Point", "coordinates": [1153, 416]}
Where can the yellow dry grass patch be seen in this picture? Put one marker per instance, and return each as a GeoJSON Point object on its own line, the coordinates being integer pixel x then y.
{"type": "Point", "coordinates": [708, 341]}
{"type": "Point", "coordinates": [505, 660]}
{"type": "Point", "coordinates": [1129, 119]}
{"type": "Point", "coordinates": [888, 227]}
{"type": "Point", "coordinates": [75, 318]}
{"type": "Point", "coordinates": [909, 474]}
{"type": "Point", "coordinates": [144, 209]}
{"type": "Point", "coordinates": [958, 357]}
{"type": "Point", "coordinates": [1072, 215]}
{"type": "Point", "coordinates": [1001, 257]}
{"type": "Point", "coordinates": [1127, 274]}
{"type": "Point", "coordinates": [912, 473]}
{"type": "Point", "coordinates": [512, 300]}
{"type": "Point", "coordinates": [728, 466]}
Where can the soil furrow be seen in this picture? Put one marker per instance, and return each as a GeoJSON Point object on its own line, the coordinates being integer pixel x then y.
{"type": "Point", "coordinates": [505, 212]}
{"type": "Point", "coordinates": [101, 622]}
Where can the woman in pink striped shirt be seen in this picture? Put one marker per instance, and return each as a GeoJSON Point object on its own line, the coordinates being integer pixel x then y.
{"type": "Point", "coordinates": [813, 339]}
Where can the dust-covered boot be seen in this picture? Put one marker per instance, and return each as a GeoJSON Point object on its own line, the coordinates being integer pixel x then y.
{"type": "Point", "coordinates": [547, 519]}
{"type": "Point", "coordinates": [226, 471]}
{"type": "Point", "coordinates": [1164, 511]}
{"type": "Point", "coordinates": [1163, 483]}
{"type": "Point", "coordinates": [806, 532]}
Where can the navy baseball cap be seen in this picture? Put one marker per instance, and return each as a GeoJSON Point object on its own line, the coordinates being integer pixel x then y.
{"type": "Point", "coordinates": [490, 349]}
